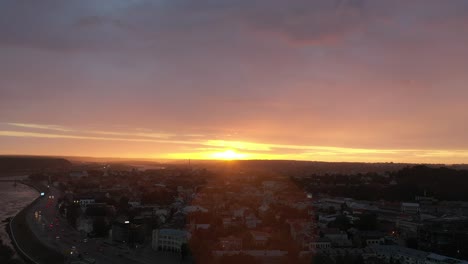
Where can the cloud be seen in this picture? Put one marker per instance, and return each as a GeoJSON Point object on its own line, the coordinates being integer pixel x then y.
{"type": "Point", "coordinates": [139, 134]}
{"type": "Point", "coordinates": [308, 22]}
{"type": "Point", "coordinates": [353, 73]}
{"type": "Point", "coordinates": [150, 25]}
{"type": "Point", "coordinates": [9, 133]}
{"type": "Point", "coordinates": [146, 134]}
{"type": "Point", "coordinates": [86, 25]}
{"type": "Point", "coordinates": [250, 150]}
{"type": "Point", "coordinates": [42, 126]}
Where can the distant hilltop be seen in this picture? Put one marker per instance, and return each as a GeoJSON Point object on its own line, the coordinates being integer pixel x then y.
{"type": "Point", "coordinates": [27, 164]}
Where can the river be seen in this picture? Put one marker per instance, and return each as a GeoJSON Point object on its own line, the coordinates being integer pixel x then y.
{"type": "Point", "coordinates": [12, 200]}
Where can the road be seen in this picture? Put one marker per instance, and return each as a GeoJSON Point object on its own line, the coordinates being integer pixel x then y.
{"type": "Point", "coordinates": [53, 230]}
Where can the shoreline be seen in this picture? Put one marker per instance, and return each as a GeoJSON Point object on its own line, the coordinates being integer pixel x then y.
{"type": "Point", "coordinates": [25, 242]}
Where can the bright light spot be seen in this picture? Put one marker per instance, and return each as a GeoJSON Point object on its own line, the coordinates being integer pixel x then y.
{"type": "Point", "coordinates": [229, 155]}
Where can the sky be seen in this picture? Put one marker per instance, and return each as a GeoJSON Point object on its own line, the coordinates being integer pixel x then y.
{"type": "Point", "coordinates": [327, 80]}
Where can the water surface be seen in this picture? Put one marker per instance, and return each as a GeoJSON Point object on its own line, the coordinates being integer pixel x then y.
{"type": "Point", "coordinates": [12, 200]}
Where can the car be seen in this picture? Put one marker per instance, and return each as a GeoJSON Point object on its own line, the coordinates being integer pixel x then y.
{"type": "Point", "coordinates": [57, 237]}
{"type": "Point", "coordinates": [85, 240]}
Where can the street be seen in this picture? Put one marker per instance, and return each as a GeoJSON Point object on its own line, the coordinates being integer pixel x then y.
{"type": "Point", "coordinates": [54, 231]}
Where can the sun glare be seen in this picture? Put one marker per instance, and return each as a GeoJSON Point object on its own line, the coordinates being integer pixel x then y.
{"type": "Point", "coordinates": [229, 155]}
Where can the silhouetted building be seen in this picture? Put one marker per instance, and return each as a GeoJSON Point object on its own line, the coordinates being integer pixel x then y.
{"type": "Point", "coordinates": [126, 232]}
{"type": "Point", "coordinates": [447, 236]}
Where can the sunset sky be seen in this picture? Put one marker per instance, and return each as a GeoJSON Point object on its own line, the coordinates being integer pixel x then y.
{"type": "Point", "coordinates": [328, 80]}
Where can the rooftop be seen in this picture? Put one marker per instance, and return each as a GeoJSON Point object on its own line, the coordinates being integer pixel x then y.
{"type": "Point", "coordinates": [173, 232]}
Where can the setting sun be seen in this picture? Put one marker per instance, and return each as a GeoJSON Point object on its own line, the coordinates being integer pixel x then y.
{"type": "Point", "coordinates": [229, 155]}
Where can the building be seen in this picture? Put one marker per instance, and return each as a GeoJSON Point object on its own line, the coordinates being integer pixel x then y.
{"type": "Point", "coordinates": [230, 243]}
{"type": "Point", "coordinates": [344, 252]}
{"type": "Point", "coordinates": [78, 174]}
{"type": "Point", "coordinates": [410, 208]}
{"type": "Point", "coordinates": [338, 238]}
{"type": "Point", "coordinates": [126, 232]}
{"type": "Point", "coordinates": [134, 203]}
{"type": "Point", "coordinates": [169, 239]}
{"type": "Point", "coordinates": [261, 256]}
{"type": "Point", "coordinates": [193, 209]}
{"type": "Point", "coordinates": [335, 203]}
{"type": "Point", "coordinates": [84, 225]}
{"type": "Point", "coordinates": [324, 220]}
{"type": "Point", "coordinates": [446, 235]}
{"type": "Point", "coordinates": [438, 259]}
{"type": "Point", "coordinates": [84, 201]}
{"type": "Point", "coordinates": [370, 238]}
{"type": "Point", "coordinates": [228, 222]}
{"type": "Point", "coordinates": [391, 254]}
{"type": "Point", "coordinates": [251, 221]}
{"type": "Point", "coordinates": [260, 239]}
{"type": "Point", "coordinates": [320, 243]}
{"type": "Point", "coordinates": [408, 228]}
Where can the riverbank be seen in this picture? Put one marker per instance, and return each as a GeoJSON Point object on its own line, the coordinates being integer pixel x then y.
{"type": "Point", "coordinates": [26, 243]}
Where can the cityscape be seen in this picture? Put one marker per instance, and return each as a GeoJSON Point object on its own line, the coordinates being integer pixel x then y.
{"type": "Point", "coordinates": [240, 212]}
{"type": "Point", "coordinates": [233, 131]}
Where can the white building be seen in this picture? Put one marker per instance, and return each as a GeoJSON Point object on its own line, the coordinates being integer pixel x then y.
{"type": "Point", "coordinates": [411, 208]}
{"type": "Point", "coordinates": [169, 239]}
{"type": "Point", "coordinates": [320, 243]}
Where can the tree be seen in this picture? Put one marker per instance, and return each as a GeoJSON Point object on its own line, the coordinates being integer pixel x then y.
{"type": "Point", "coordinates": [412, 243]}
{"type": "Point", "coordinates": [184, 251]}
{"type": "Point", "coordinates": [321, 259]}
{"type": "Point", "coordinates": [100, 227]}
{"type": "Point", "coordinates": [367, 222]}
{"type": "Point", "coordinates": [7, 255]}
{"type": "Point", "coordinates": [341, 222]}
{"type": "Point", "coordinates": [359, 260]}
{"type": "Point", "coordinates": [236, 259]}
{"type": "Point", "coordinates": [73, 212]}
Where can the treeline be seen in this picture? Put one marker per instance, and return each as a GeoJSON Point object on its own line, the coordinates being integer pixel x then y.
{"type": "Point", "coordinates": [9, 164]}
{"type": "Point", "coordinates": [442, 183]}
